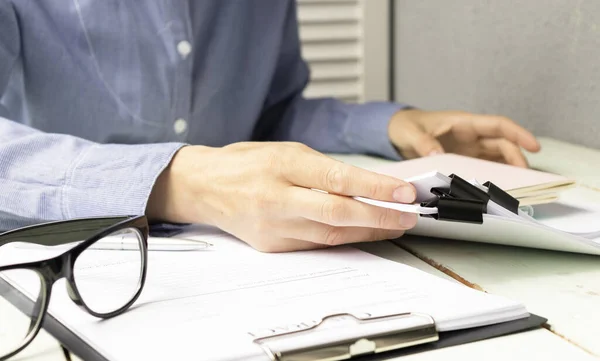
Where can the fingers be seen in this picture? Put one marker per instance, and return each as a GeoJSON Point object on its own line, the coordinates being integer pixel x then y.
{"type": "Point", "coordinates": [321, 172]}
{"type": "Point", "coordinates": [511, 153]}
{"type": "Point", "coordinates": [423, 143]}
{"type": "Point", "coordinates": [343, 211]}
{"type": "Point", "coordinates": [279, 245]}
{"type": "Point", "coordinates": [323, 234]}
{"type": "Point", "coordinates": [501, 127]}
{"type": "Point", "coordinates": [331, 236]}
{"type": "Point", "coordinates": [334, 236]}
{"type": "Point", "coordinates": [302, 234]}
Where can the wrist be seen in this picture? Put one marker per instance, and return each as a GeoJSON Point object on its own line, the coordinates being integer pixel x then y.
{"type": "Point", "coordinates": [399, 120]}
{"type": "Point", "coordinates": [399, 129]}
{"type": "Point", "coordinates": [171, 199]}
{"type": "Point", "coordinates": [156, 210]}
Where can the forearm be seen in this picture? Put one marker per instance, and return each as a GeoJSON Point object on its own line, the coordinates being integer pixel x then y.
{"type": "Point", "coordinates": [47, 177]}
{"type": "Point", "coordinates": [332, 126]}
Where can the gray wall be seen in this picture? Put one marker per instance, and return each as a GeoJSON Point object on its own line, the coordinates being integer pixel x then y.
{"type": "Point", "coordinates": [535, 61]}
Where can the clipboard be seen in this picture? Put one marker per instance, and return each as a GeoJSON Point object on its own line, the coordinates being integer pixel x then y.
{"type": "Point", "coordinates": [419, 336]}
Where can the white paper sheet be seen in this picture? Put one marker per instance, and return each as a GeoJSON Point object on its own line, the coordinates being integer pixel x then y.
{"type": "Point", "coordinates": [204, 304]}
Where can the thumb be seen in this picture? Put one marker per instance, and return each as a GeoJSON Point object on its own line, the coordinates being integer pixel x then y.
{"type": "Point", "coordinates": [411, 139]}
{"type": "Point", "coordinates": [425, 144]}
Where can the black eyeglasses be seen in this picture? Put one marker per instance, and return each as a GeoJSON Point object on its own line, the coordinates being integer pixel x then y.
{"type": "Point", "coordinates": [104, 283]}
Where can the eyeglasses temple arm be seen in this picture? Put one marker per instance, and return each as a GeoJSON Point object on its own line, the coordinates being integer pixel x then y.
{"type": "Point", "coordinates": [59, 233]}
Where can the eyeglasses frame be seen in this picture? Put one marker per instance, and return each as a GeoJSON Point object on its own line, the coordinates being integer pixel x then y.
{"type": "Point", "coordinates": [62, 266]}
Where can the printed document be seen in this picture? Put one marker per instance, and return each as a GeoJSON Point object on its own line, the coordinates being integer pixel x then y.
{"type": "Point", "coordinates": [209, 304]}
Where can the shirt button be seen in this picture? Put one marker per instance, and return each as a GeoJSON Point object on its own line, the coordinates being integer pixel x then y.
{"type": "Point", "coordinates": [180, 126]}
{"type": "Point", "coordinates": [184, 48]}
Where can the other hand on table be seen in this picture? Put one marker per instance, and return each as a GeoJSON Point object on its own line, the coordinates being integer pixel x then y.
{"type": "Point", "coordinates": [418, 133]}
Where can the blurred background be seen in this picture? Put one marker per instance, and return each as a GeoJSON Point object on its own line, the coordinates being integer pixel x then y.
{"type": "Point", "coordinates": [537, 62]}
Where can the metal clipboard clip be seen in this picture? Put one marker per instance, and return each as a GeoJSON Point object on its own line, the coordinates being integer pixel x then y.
{"type": "Point", "coordinates": [369, 335]}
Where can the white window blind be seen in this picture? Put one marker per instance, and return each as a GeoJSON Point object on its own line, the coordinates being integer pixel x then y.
{"type": "Point", "coordinates": [345, 45]}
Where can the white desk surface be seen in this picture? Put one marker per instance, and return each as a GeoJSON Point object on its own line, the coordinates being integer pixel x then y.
{"type": "Point", "coordinates": [565, 288]}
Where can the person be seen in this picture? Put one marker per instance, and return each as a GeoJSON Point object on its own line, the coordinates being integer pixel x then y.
{"type": "Point", "coordinates": [192, 112]}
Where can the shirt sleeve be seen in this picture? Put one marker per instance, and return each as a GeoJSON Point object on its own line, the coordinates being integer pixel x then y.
{"type": "Point", "coordinates": [49, 177]}
{"type": "Point", "coordinates": [325, 124]}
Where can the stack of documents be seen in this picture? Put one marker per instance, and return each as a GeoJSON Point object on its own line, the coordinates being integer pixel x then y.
{"type": "Point", "coordinates": [529, 186]}
{"type": "Point", "coordinates": [506, 224]}
{"type": "Point", "coordinates": [215, 303]}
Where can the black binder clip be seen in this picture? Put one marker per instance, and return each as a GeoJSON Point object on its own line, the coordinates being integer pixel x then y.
{"type": "Point", "coordinates": [465, 202]}
{"type": "Point", "coordinates": [502, 198]}
{"type": "Point", "coordinates": [456, 209]}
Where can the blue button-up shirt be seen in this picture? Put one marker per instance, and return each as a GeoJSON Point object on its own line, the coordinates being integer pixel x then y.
{"type": "Point", "coordinates": [97, 96]}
